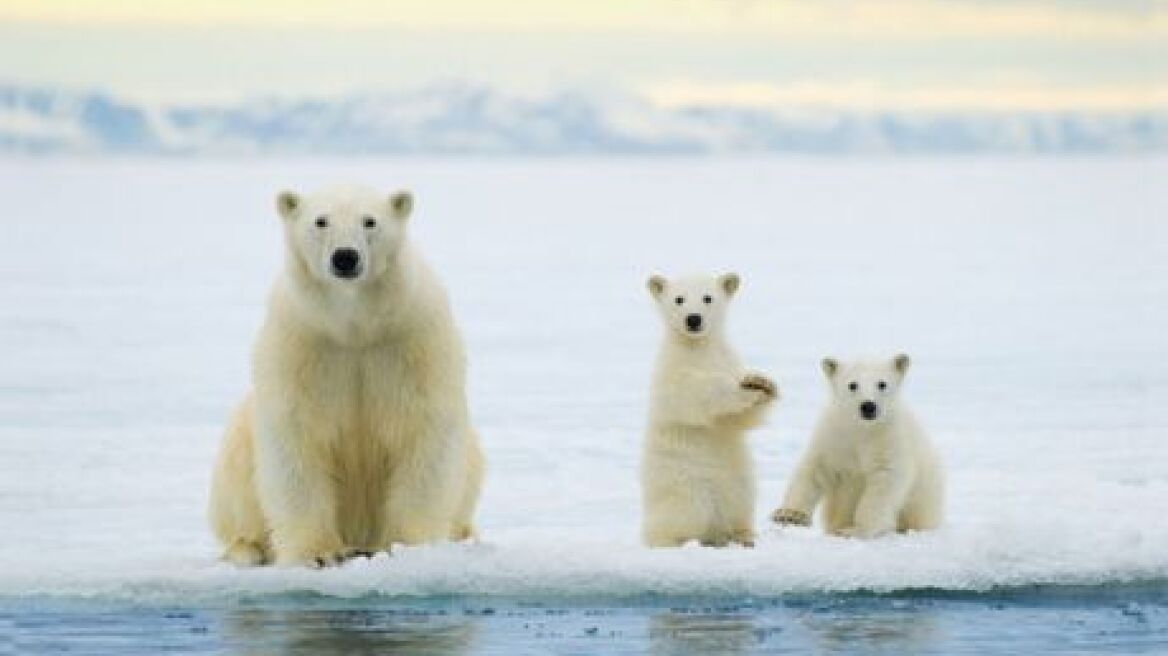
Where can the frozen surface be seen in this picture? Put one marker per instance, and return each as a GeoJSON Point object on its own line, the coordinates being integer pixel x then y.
{"type": "Point", "coordinates": [1030, 292]}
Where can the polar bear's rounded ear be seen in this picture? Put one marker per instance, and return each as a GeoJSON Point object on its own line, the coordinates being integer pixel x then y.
{"type": "Point", "coordinates": [401, 204]}
{"type": "Point", "coordinates": [287, 204]}
{"type": "Point", "coordinates": [657, 285]}
{"type": "Point", "coordinates": [901, 362]}
{"type": "Point", "coordinates": [830, 367]}
{"type": "Point", "coordinates": [729, 283]}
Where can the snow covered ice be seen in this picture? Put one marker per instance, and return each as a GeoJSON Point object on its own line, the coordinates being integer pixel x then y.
{"type": "Point", "coordinates": [1030, 292]}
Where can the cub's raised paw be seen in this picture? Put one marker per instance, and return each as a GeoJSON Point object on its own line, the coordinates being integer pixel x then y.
{"type": "Point", "coordinates": [791, 517]}
{"type": "Point", "coordinates": [762, 384]}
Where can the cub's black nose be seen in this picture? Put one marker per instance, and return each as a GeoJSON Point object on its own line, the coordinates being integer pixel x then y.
{"type": "Point", "coordinates": [345, 262]}
{"type": "Point", "coordinates": [693, 322]}
{"type": "Point", "coordinates": [869, 410]}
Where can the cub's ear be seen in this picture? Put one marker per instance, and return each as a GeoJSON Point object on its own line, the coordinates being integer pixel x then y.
{"type": "Point", "coordinates": [901, 362]}
{"type": "Point", "coordinates": [657, 285]}
{"type": "Point", "coordinates": [729, 283]}
{"type": "Point", "coordinates": [401, 204]}
{"type": "Point", "coordinates": [287, 204]}
{"type": "Point", "coordinates": [830, 367]}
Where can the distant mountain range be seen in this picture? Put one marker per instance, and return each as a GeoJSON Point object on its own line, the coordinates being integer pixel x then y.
{"type": "Point", "coordinates": [469, 119]}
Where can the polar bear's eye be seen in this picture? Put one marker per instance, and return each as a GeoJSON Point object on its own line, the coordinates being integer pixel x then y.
{"type": "Point", "coordinates": [369, 222]}
{"type": "Point", "coordinates": [853, 386]}
{"type": "Point", "coordinates": [322, 221]}
{"type": "Point", "coordinates": [882, 386]}
{"type": "Point", "coordinates": [707, 300]}
{"type": "Point", "coordinates": [679, 300]}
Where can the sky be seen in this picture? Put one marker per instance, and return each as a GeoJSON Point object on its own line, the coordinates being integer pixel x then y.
{"type": "Point", "coordinates": [931, 54]}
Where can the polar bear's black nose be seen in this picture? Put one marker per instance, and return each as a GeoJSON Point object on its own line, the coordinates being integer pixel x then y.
{"type": "Point", "coordinates": [345, 261]}
{"type": "Point", "coordinates": [869, 410]}
{"type": "Point", "coordinates": [693, 322]}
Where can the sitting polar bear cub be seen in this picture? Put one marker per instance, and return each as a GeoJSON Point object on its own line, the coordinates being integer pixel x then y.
{"type": "Point", "coordinates": [697, 476]}
{"type": "Point", "coordinates": [868, 460]}
{"type": "Point", "coordinates": [357, 434]}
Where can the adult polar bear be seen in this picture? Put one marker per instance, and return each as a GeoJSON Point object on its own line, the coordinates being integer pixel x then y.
{"type": "Point", "coordinates": [356, 435]}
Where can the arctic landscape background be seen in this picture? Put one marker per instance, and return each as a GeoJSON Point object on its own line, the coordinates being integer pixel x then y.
{"type": "Point", "coordinates": [477, 119]}
{"type": "Point", "coordinates": [515, 77]}
{"type": "Point", "coordinates": [979, 183]}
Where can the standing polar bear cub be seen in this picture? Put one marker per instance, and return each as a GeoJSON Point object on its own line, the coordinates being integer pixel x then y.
{"type": "Point", "coordinates": [356, 434]}
{"type": "Point", "coordinates": [697, 475]}
{"type": "Point", "coordinates": [869, 460]}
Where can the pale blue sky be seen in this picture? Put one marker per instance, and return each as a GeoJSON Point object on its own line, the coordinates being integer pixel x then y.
{"type": "Point", "coordinates": [1107, 54]}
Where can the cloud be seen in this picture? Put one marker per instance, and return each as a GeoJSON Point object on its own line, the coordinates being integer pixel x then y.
{"type": "Point", "coordinates": [873, 94]}
{"type": "Point", "coordinates": [921, 53]}
{"type": "Point", "coordinates": [887, 19]}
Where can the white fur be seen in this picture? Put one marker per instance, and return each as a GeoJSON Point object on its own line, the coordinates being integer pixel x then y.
{"type": "Point", "coordinates": [697, 475]}
{"type": "Point", "coordinates": [357, 434]}
{"type": "Point", "coordinates": [874, 475]}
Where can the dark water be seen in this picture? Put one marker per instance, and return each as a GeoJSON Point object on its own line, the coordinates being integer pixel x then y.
{"type": "Point", "coordinates": [1088, 620]}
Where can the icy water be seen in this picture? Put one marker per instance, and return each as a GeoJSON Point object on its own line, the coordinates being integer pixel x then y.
{"type": "Point", "coordinates": [1030, 293]}
{"type": "Point", "coordinates": [1126, 619]}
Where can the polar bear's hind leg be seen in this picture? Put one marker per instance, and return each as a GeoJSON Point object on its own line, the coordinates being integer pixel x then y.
{"type": "Point", "coordinates": [464, 528]}
{"type": "Point", "coordinates": [235, 513]}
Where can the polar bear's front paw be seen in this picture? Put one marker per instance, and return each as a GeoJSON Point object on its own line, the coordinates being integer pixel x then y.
{"type": "Point", "coordinates": [339, 557]}
{"type": "Point", "coordinates": [791, 517]}
{"type": "Point", "coordinates": [320, 559]}
{"type": "Point", "coordinates": [762, 384]}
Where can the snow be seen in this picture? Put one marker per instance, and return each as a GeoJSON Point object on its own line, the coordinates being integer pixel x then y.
{"type": "Point", "coordinates": [1029, 291]}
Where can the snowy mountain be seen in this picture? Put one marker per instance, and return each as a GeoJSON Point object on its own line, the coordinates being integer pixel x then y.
{"type": "Point", "coordinates": [467, 119]}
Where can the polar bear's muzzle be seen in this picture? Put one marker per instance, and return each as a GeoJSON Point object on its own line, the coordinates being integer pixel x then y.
{"type": "Point", "coordinates": [693, 323]}
{"type": "Point", "coordinates": [869, 410]}
{"type": "Point", "coordinates": [346, 263]}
